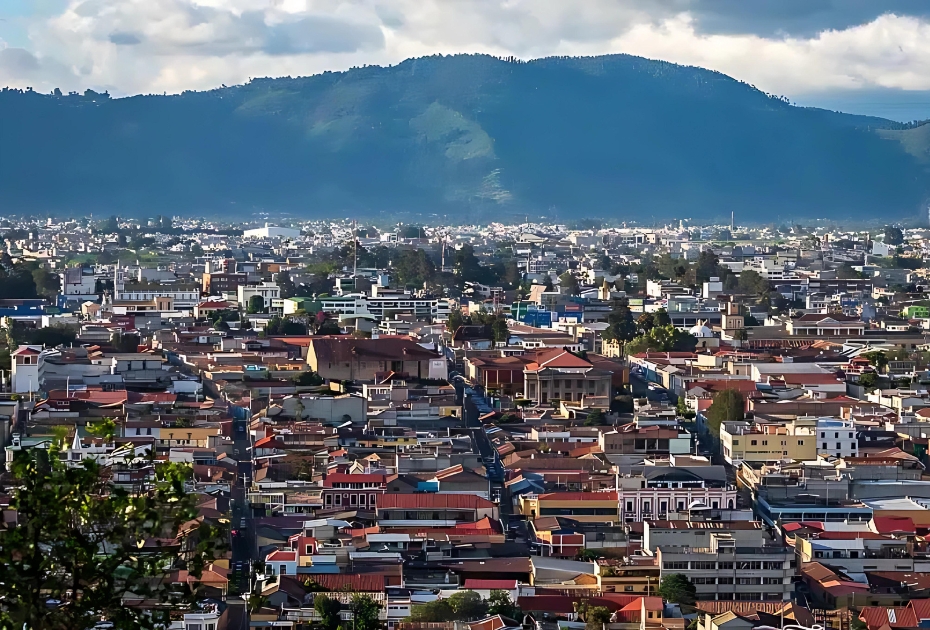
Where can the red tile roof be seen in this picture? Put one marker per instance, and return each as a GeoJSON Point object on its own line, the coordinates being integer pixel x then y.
{"type": "Point", "coordinates": [580, 496]}
{"type": "Point", "coordinates": [897, 617]}
{"type": "Point", "coordinates": [348, 478]}
{"type": "Point", "coordinates": [496, 585]}
{"type": "Point", "coordinates": [429, 501]}
{"type": "Point", "coordinates": [366, 582]}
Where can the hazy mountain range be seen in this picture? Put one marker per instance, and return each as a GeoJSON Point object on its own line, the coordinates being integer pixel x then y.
{"type": "Point", "coordinates": [468, 137]}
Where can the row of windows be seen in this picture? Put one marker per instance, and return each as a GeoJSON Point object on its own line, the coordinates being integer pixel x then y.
{"type": "Point", "coordinates": [742, 565]}
{"type": "Point", "coordinates": [353, 499]}
{"type": "Point", "coordinates": [577, 512]}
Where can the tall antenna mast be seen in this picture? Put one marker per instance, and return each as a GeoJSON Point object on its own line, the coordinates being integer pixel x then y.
{"type": "Point", "coordinates": [354, 249]}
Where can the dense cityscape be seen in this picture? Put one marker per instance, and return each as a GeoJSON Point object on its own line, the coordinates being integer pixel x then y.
{"type": "Point", "coordinates": [334, 424]}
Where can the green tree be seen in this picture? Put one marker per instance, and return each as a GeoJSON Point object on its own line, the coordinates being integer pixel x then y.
{"type": "Point", "coordinates": [256, 304]}
{"type": "Point", "coordinates": [499, 603]}
{"type": "Point", "coordinates": [569, 283]}
{"type": "Point", "coordinates": [677, 589]}
{"type": "Point", "coordinates": [706, 267]}
{"type": "Point", "coordinates": [365, 612]}
{"type": "Point", "coordinates": [104, 428]}
{"type": "Point", "coordinates": [728, 406]}
{"type": "Point", "coordinates": [78, 540]}
{"type": "Point", "coordinates": [499, 330]}
{"type": "Point", "coordinates": [893, 235]}
{"type": "Point", "coordinates": [437, 611]}
{"type": "Point", "coordinates": [308, 378]}
{"type": "Point", "coordinates": [467, 605]}
{"type": "Point", "coordinates": [595, 418]}
{"type": "Point", "coordinates": [662, 317]}
{"type": "Point", "coordinates": [456, 320]}
{"type": "Point", "coordinates": [751, 283]}
{"type": "Point", "coordinates": [125, 342]}
{"type": "Point", "coordinates": [645, 322]}
{"type": "Point", "coordinates": [596, 617]}
{"type": "Point", "coordinates": [868, 380]}
{"type": "Point", "coordinates": [620, 324]}
{"type": "Point", "coordinates": [328, 610]}
{"type": "Point", "coordinates": [878, 359]}
{"type": "Point", "coordinates": [413, 266]}
{"type": "Point", "coordinates": [663, 339]}
{"type": "Point", "coordinates": [47, 283]}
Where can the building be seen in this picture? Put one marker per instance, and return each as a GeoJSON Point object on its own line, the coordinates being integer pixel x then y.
{"type": "Point", "coordinates": [25, 369]}
{"type": "Point", "coordinates": [584, 507]}
{"type": "Point", "coordinates": [350, 358]}
{"type": "Point", "coordinates": [360, 491]}
{"type": "Point", "coordinates": [819, 325]}
{"type": "Point", "coordinates": [268, 291]}
{"type": "Point", "coordinates": [837, 437]}
{"type": "Point", "coordinates": [270, 231]}
{"type": "Point", "coordinates": [559, 375]}
{"type": "Point", "coordinates": [78, 285]}
{"type": "Point", "coordinates": [432, 509]}
{"type": "Point", "coordinates": [218, 283]}
{"type": "Point", "coordinates": [761, 443]}
{"type": "Point", "coordinates": [182, 295]}
{"type": "Point", "coordinates": [726, 561]}
{"type": "Point", "coordinates": [658, 490]}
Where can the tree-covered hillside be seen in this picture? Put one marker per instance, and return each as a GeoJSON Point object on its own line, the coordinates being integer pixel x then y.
{"type": "Point", "coordinates": [466, 136]}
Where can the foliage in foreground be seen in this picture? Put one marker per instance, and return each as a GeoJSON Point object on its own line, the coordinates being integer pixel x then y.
{"type": "Point", "coordinates": [84, 550]}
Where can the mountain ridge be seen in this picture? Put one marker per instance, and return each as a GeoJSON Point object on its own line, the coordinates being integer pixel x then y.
{"type": "Point", "coordinates": [465, 136]}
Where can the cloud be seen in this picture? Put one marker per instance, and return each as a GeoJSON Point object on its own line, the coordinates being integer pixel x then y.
{"type": "Point", "coordinates": [18, 62]}
{"type": "Point", "coordinates": [782, 46]}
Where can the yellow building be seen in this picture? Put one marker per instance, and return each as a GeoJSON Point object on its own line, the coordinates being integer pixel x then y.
{"type": "Point", "coordinates": [584, 507]}
{"type": "Point", "coordinates": [636, 576]}
{"type": "Point", "coordinates": [747, 442]}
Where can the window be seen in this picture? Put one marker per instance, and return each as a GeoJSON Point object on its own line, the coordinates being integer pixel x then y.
{"type": "Point", "coordinates": [800, 442]}
{"type": "Point", "coordinates": [704, 566]}
{"type": "Point", "coordinates": [338, 499]}
{"type": "Point", "coordinates": [824, 447]}
{"type": "Point", "coordinates": [724, 580]}
{"type": "Point", "coordinates": [724, 566]}
{"type": "Point", "coordinates": [752, 442]}
{"type": "Point", "coordinates": [681, 566]}
{"type": "Point", "coordinates": [283, 570]}
{"type": "Point", "coordinates": [771, 580]}
{"type": "Point", "coordinates": [703, 580]}
{"type": "Point", "coordinates": [629, 506]}
{"type": "Point", "coordinates": [748, 580]}
{"type": "Point", "coordinates": [361, 499]}
{"type": "Point", "coordinates": [765, 442]}
{"type": "Point", "coordinates": [628, 589]}
{"type": "Point", "coordinates": [371, 499]}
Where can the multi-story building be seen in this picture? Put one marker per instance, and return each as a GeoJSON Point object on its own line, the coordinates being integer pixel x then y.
{"type": "Point", "coordinates": [659, 490]}
{"type": "Point", "coordinates": [342, 490]}
{"type": "Point", "coordinates": [819, 325]}
{"type": "Point", "coordinates": [837, 437]}
{"type": "Point", "coordinates": [631, 439]}
{"type": "Point", "coordinates": [761, 443]}
{"type": "Point", "coordinates": [182, 295]}
{"type": "Point", "coordinates": [584, 507]}
{"type": "Point", "coordinates": [432, 509]}
{"type": "Point", "coordinates": [725, 561]}
{"type": "Point", "coordinates": [560, 375]}
{"type": "Point", "coordinates": [218, 283]}
{"type": "Point", "coordinates": [267, 290]}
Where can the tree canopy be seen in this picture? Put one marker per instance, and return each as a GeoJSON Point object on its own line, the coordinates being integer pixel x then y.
{"type": "Point", "coordinates": [78, 541]}
{"type": "Point", "coordinates": [677, 589]}
{"type": "Point", "coordinates": [728, 406]}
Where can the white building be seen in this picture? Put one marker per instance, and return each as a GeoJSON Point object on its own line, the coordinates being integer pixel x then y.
{"type": "Point", "coordinates": [267, 290]}
{"type": "Point", "coordinates": [837, 437]}
{"type": "Point", "coordinates": [26, 369]}
{"type": "Point", "coordinates": [182, 296]}
{"type": "Point", "coordinates": [270, 231]}
{"type": "Point", "coordinates": [77, 285]}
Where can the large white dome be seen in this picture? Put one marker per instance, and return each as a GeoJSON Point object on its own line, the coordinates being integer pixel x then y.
{"type": "Point", "coordinates": [700, 330]}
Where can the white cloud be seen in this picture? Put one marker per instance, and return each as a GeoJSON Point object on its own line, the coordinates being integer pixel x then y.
{"type": "Point", "coordinates": [132, 46]}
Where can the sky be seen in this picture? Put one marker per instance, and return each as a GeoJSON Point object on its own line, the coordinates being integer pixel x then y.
{"type": "Point", "coordinates": [861, 56]}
